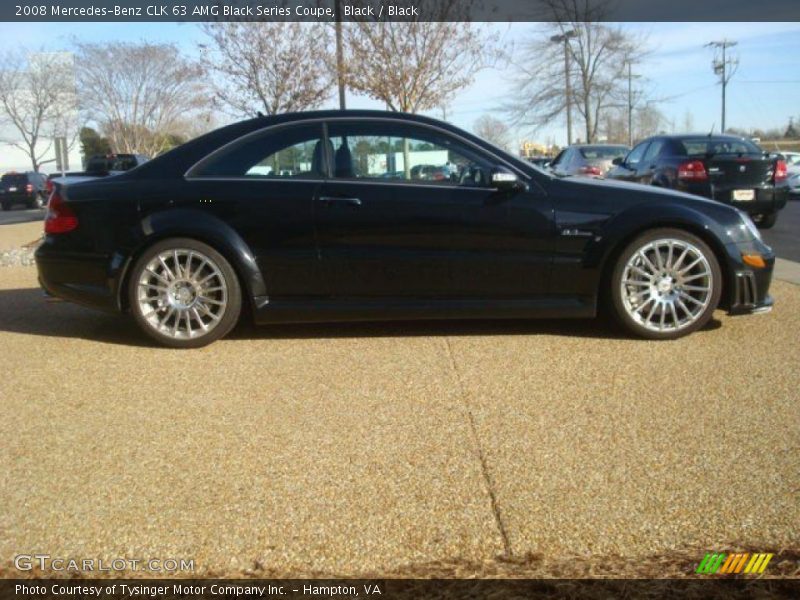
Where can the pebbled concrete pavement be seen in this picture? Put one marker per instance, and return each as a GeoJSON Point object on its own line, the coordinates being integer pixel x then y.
{"type": "Point", "coordinates": [350, 449]}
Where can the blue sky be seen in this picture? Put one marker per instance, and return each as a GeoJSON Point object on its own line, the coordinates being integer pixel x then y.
{"type": "Point", "coordinates": [764, 93]}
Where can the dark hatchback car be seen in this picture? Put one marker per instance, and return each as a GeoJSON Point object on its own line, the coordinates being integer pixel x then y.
{"type": "Point", "coordinates": [23, 188]}
{"type": "Point", "coordinates": [188, 240]}
{"type": "Point", "coordinates": [726, 168]}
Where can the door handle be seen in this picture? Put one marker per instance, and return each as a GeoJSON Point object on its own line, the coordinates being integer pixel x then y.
{"type": "Point", "coordinates": [329, 200]}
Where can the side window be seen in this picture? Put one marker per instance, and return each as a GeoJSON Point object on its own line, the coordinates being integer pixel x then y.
{"type": "Point", "coordinates": [635, 156]}
{"type": "Point", "coordinates": [653, 151]}
{"type": "Point", "coordinates": [398, 152]}
{"type": "Point", "coordinates": [286, 153]}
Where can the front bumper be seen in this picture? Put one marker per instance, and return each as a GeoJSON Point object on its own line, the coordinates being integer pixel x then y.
{"type": "Point", "coordinates": [749, 286]}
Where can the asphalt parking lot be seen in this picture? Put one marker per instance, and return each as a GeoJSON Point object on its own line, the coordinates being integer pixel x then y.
{"type": "Point", "coordinates": [395, 448]}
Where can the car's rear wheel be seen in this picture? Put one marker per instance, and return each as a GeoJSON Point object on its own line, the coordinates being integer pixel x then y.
{"type": "Point", "coordinates": [767, 220]}
{"type": "Point", "coordinates": [666, 284]}
{"type": "Point", "coordinates": [37, 202]}
{"type": "Point", "coordinates": [184, 294]}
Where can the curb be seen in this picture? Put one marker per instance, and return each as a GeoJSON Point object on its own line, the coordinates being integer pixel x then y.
{"type": "Point", "coordinates": [787, 270]}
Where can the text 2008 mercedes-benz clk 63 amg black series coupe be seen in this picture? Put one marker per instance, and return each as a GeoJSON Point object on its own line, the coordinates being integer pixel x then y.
{"type": "Point", "coordinates": [365, 215]}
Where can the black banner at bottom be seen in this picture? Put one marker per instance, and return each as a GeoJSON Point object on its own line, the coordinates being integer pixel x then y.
{"type": "Point", "coordinates": [394, 589]}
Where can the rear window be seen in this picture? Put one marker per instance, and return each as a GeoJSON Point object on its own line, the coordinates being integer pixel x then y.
{"type": "Point", "coordinates": [15, 179]}
{"type": "Point", "coordinates": [603, 151]}
{"type": "Point", "coordinates": [703, 146]}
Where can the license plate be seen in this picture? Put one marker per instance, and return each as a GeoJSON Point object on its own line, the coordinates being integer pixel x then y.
{"type": "Point", "coordinates": [12, 189]}
{"type": "Point", "coordinates": [744, 195]}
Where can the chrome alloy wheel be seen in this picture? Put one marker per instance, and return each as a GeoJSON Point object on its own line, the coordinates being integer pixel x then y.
{"type": "Point", "coordinates": [182, 293]}
{"type": "Point", "coordinates": [667, 285]}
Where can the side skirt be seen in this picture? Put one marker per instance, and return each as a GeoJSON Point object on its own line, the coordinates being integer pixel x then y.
{"type": "Point", "coordinates": [321, 310]}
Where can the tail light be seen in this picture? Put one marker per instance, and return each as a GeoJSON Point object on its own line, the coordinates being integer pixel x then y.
{"type": "Point", "coordinates": [693, 170]}
{"type": "Point", "coordinates": [590, 171]}
{"type": "Point", "coordinates": [780, 171]}
{"type": "Point", "coordinates": [60, 218]}
{"type": "Point", "coordinates": [29, 188]}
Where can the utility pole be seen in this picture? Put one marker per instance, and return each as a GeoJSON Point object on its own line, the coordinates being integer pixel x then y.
{"type": "Point", "coordinates": [725, 66]}
{"type": "Point", "coordinates": [339, 53]}
{"type": "Point", "coordinates": [559, 39]}
{"type": "Point", "coordinates": [631, 77]}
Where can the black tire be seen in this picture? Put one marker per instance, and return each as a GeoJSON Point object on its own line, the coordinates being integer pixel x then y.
{"type": "Point", "coordinates": [622, 311]}
{"type": "Point", "coordinates": [227, 318]}
{"type": "Point", "coordinates": [767, 220]}
{"type": "Point", "coordinates": [37, 202]}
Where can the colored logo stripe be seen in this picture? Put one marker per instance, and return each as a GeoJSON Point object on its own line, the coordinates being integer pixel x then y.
{"type": "Point", "coordinates": [734, 563]}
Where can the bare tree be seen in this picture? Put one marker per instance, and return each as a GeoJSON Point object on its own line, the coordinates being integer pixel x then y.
{"type": "Point", "coordinates": [493, 130]}
{"type": "Point", "coordinates": [139, 94]}
{"type": "Point", "coordinates": [597, 57]}
{"type": "Point", "coordinates": [37, 102]}
{"type": "Point", "coordinates": [269, 67]}
{"type": "Point", "coordinates": [413, 66]}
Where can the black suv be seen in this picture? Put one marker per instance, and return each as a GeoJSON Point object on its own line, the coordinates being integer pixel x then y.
{"type": "Point", "coordinates": [23, 188]}
{"type": "Point", "coordinates": [727, 168]}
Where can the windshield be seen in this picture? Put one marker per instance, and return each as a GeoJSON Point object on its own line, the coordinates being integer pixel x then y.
{"type": "Point", "coordinates": [703, 146]}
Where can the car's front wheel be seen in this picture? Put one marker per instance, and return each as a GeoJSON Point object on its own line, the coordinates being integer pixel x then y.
{"type": "Point", "coordinates": [184, 294]}
{"type": "Point", "coordinates": [665, 284]}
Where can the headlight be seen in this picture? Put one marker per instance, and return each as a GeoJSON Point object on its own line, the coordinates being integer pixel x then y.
{"type": "Point", "coordinates": [749, 225]}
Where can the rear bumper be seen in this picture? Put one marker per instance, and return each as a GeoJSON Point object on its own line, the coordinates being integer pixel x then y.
{"type": "Point", "coordinates": [767, 199]}
{"type": "Point", "coordinates": [79, 278]}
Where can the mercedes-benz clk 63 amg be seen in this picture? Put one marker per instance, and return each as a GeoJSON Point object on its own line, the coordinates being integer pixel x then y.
{"type": "Point", "coordinates": [322, 216]}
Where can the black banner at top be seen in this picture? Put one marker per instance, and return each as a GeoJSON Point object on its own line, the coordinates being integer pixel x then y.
{"type": "Point", "coordinates": [398, 10]}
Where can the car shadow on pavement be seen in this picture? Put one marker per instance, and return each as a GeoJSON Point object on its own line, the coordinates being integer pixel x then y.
{"type": "Point", "coordinates": [26, 311]}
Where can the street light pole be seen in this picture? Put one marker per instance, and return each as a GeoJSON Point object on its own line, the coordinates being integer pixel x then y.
{"type": "Point", "coordinates": [339, 53]}
{"type": "Point", "coordinates": [558, 39]}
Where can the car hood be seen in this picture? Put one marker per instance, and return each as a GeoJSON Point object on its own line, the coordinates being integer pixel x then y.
{"type": "Point", "coordinates": [639, 191]}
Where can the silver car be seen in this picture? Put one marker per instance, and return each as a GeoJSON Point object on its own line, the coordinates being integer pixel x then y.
{"type": "Point", "coordinates": [587, 160]}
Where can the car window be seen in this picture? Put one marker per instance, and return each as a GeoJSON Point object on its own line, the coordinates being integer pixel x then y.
{"type": "Point", "coordinates": [15, 179]}
{"type": "Point", "coordinates": [400, 152]}
{"type": "Point", "coordinates": [294, 152]}
{"type": "Point", "coordinates": [710, 145]}
{"type": "Point", "coordinates": [653, 150]}
{"type": "Point", "coordinates": [635, 156]}
{"type": "Point", "coordinates": [603, 152]}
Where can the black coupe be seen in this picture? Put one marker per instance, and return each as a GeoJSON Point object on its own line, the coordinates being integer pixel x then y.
{"type": "Point", "coordinates": [322, 216]}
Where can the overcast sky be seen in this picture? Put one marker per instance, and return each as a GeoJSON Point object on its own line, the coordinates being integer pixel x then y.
{"type": "Point", "coordinates": [764, 93]}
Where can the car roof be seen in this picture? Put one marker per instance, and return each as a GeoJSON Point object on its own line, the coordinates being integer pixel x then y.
{"type": "Point", "coordinates": [181, 158]}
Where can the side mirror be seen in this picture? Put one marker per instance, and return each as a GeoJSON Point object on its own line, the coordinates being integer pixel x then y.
{"type": "Point", "coordinates": [506, 181]}
{"type": "Point", "coordinates": [618, 160]}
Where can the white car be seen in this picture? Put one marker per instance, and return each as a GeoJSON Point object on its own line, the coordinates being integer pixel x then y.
{"type": "Point", "coordinates": [793, 179]}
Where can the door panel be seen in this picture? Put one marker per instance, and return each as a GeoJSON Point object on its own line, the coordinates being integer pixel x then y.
{"type": "Point", "coordinates": [431, 229]}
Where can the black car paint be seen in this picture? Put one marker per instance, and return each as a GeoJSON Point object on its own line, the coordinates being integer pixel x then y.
{"type": "Point", "coordinates": [406, 251]}
{"type": "Point", "coordinates": [724, 175]}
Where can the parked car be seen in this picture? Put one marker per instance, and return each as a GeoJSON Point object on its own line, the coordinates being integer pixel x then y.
{"type": "Point", "coordinates": [793, 180]}
{"type": "Point", "coordinates": [191, 239]}
{"type": "Point", "coordinates": [587, 160]}
{"type": "Point", "coordinates": [792, 158]}
{"type": "Point", "coordinates": [26, 188]}
{"type": "Point", "coordinates": [726, 168]}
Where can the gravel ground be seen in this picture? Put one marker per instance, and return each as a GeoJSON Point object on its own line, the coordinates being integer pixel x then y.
{"type": "Point", "coordinates": [405, 448]}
